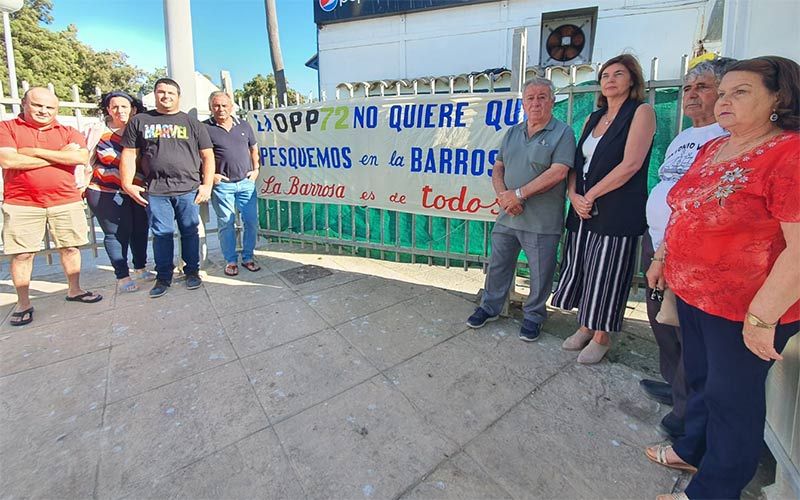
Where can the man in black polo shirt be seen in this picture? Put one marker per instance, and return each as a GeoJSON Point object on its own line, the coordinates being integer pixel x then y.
{"type": "Point", "coordinates": [236, 155]}
{"type": "Point", "coordinates": [175, 153]}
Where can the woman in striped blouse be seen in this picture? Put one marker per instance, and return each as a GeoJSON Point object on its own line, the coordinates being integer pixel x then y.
{"type": "Point", "coordinates": [123, 221]}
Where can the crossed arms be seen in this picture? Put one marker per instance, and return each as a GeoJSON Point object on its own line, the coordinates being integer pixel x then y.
{"type": "Point", "coordinates": [32, 158]}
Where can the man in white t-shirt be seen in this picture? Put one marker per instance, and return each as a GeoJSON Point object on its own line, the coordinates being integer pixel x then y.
{"type": "Point", "coordinates": [699, 97]}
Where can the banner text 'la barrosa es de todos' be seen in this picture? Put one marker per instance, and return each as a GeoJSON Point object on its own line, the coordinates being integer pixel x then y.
{"type": "Point", "coordinates": [425, 154]}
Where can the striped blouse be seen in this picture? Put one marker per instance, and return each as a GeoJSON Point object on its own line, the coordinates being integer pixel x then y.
{"type": "Point", "coordinates": [106, 176]}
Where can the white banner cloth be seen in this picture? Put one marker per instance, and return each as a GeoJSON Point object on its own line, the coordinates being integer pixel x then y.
{"type": "Point", "coordinates": [425, 154]}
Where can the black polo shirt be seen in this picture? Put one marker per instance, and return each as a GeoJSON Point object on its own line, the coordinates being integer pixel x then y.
{"type": "Point", "coordinates": [232, 148]}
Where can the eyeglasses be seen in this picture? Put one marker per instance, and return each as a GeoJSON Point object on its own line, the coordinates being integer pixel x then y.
{"type": "Point", "coordinates": [657, 295]}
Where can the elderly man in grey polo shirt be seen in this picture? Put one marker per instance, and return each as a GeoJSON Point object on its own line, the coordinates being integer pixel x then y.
{"type": "Point", "coordinates": [529, 178]}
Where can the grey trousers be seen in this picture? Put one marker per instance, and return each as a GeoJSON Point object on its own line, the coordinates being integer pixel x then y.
{"type": "Point", "coordinates": [669, 342]}
{"type": "Point", "coordinates": [540, 249]}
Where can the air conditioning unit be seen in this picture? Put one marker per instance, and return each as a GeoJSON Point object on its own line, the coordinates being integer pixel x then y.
{"type": "Point", "coordinates": [567, 40]}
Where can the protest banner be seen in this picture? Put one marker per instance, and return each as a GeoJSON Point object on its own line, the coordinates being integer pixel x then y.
{"type": "Point", "coordinates": [425, 154]}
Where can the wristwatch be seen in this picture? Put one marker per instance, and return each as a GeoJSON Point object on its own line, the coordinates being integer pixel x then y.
{"type": "Point", "coordinates": [518, 193]}
{"type": "Point", "coordinates": [756, 321]}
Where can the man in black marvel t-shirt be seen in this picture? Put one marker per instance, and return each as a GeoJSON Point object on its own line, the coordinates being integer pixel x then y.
{"type": "Point", "coordinates": [176, 155]}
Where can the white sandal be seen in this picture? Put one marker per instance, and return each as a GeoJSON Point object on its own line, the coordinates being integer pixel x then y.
{"type": "Point", "coordinates": [658, 454]}
{"type": "Point", "coordinates": [673, 496]}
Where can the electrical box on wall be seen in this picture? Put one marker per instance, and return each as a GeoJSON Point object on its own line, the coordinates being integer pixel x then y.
{"type": "Point", "coordinates": [567, 37]}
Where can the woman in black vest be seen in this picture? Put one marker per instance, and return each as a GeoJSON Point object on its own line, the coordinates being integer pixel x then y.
{"type": "Point", "coordinates": [607, 192]}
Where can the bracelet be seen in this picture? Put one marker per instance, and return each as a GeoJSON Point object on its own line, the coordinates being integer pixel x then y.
{"type": "Point", "coordinates": [757, 322]}
{"type": "Point", "coordinates": [657, 259]}
{"type": "Point", "coordinates": [518, 193]}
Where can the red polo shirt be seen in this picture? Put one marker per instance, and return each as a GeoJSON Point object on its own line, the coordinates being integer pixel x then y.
{"type": "Point", "coordinates": [41, 187]}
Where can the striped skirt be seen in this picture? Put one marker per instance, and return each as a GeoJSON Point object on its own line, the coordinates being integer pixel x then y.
{"type": "Point", "coordinates": [595, 277]}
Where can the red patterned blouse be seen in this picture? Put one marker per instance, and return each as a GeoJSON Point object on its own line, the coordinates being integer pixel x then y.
{"type": "Point", "coordinates": [724, 233]}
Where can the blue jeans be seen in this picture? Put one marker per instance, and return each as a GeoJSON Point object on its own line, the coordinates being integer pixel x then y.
{"type": "Point", "coordinates": [225, 197]}
{"type": "Point", "coordinates": [124, 224]}
{"type": "Point", "coordinates": [163, 212]}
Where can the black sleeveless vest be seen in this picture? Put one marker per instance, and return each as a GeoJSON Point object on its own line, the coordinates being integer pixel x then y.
{"type": "Point", "coordinates": [620, 212]}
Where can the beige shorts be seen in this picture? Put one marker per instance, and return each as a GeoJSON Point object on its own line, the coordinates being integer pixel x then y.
{"type": "Point", "coordinates": [23, 227]}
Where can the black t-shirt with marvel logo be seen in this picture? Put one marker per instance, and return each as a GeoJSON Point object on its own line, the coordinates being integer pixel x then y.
{"type": "Point", "coordinates": [169, 150]}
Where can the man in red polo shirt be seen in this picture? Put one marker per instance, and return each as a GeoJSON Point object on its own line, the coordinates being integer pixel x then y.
{"type": "Point", "coordinates": [38, 156]}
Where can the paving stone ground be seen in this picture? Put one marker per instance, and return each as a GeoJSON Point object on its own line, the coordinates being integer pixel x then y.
{"type": "Point", "coordinates": [353, 379]}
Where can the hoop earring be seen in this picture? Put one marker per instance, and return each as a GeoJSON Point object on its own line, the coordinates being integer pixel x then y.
{"type": "Point", "coordinates": [773, 117]}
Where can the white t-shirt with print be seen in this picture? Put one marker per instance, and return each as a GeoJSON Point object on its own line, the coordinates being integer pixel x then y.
{"type": "Point", "coordinates": [679, 157]}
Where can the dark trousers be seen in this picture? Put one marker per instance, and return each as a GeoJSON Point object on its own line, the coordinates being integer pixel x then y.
{"type": "Point", "coordinates": [726, 410]}
{"type": "Point", "coordinates": [124, 224]}
{"type": "Point", "coordinates": [668, 338]}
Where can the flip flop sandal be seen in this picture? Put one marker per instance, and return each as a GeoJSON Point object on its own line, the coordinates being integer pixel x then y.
{"type": "Point", "coordinates": [658, 454]}
{"type": "Point", "coordinates": [128, 287]}
{"type": "Point", "coordinates": [19, 319]}
{"type": "Point", "coordinates": [251, 266]}
{"type": "Point", "coordinates": [673, 496]}
{"type": "Point", "coordinates": [86, 298]}
{"type": "Point", "coordinates": [231, 270]}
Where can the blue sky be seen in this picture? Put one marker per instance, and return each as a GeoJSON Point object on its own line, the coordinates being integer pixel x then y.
{"type": "Point", "coordinates": [228, 34]}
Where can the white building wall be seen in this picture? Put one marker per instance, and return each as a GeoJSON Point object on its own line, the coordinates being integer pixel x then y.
{"type": "Point", "coordinates": [479, 37]}
{"type": "Point", "coordinates": [762, 27]}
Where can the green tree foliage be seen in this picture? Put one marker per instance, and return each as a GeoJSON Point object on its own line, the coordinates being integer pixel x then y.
{"type": "Point", "coordinates": [149, 82]}
{"type": "Point", "coordinates": [264, 86]}
{"type": "Point", "coordinates": [43, 56]}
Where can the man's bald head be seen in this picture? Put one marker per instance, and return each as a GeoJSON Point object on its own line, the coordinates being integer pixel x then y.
{"type": "Point", "coordinates": [39, 106]}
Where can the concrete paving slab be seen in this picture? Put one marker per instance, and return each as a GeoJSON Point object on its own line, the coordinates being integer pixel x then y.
{"type": "Point", "coordinates": [392, 335]}
{"type": "Point", "coordinates": [234, 296]}
{"type": "Point", "coordinates": [52, 394]}
{"type": "Point", "coordinates": [446, 311]}
{"type": "Point", "coordinates": [459, 478]}
{"type": "Point", "coordinates": [173, 426]}
{"type": "Point", "coordinates": [271, 325]}
{"type": "Point", "coordinates": [536, 361]}
{"type": "Point", "coordinates": [459, 388]}
{"type": "Point", "coordinates": [359, 298]}
{"type": "Point", "coordinates": [153, 350]}
{"type": "Point", "coordinates": [368, 442]}
{"type": "Point", "coordinates": [534, 452]}
{"type": "Point", "coordinates": [295, 376]}
{"type": "Point", "coordinates": [58, 462]}
{"type": "Point", "coordinates": [146, 317]}
{"type": "Point", "coordinates": [28, 348]}
{"type": "Point", "coordinates": [335, 279]}
{"type": "Point", "coordinates": [607, 394]}
{"type": "Point", "coordinates": [254, 467]}
{"type": "Point", "coordinates": [51, 419]}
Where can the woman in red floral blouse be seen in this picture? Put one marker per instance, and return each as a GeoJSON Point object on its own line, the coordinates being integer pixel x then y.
{"type": "Point", "coordinates": [732, 253]}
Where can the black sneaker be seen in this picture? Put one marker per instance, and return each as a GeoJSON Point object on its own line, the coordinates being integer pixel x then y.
{"type": "Point", "coordinates": [193, 281]}
{"type": "Point", "coordinates": [657, 391]}
{"type": "Point", "coordinates": [479, 318]}
{"type": "Point", "coordinates": [159, 289]}
{"type": "Point", "coordinates": [529, 331]}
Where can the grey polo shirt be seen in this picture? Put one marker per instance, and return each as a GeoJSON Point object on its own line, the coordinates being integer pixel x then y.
{"type": "Point", "coordinates": [232, 148]}
{"type": "Point", "coordinates": [525, 159]}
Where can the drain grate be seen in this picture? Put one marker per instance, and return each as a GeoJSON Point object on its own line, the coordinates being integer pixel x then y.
{"type": "Point", "coordinates": [304, 274]}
